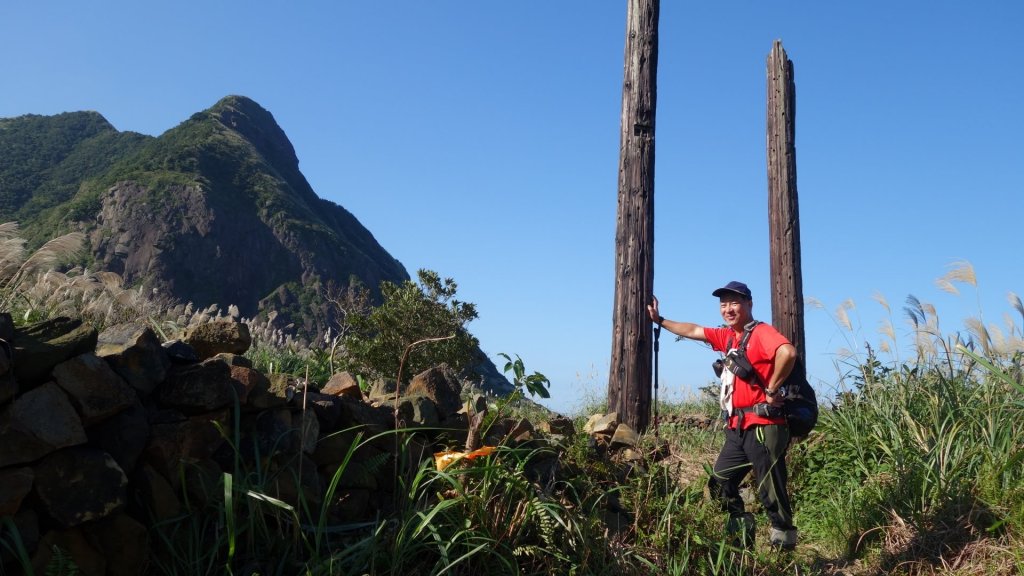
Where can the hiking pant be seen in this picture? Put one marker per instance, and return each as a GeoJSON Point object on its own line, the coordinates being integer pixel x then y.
{"type": "Point", "coordinates": [762, 448]}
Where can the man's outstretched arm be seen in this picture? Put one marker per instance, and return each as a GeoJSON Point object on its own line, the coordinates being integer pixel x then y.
{"type": "Point", "coordinates": [684, 329]}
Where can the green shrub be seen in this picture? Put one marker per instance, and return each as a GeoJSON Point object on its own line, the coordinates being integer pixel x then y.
{"type": "Point", "coordinates": [409, 314]}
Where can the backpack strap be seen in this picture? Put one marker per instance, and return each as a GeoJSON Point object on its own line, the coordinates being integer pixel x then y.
{"type": "Point", "coordinates": [747, 331]}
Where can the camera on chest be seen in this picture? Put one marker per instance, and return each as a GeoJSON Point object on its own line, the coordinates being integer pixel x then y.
{"type": "Point", "coordinates": [737, 363]}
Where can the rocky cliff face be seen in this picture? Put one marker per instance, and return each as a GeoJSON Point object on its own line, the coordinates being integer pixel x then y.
{"type": "Point", "coordinates": [214, 211]}
{"type": "Point", "coordinates": [189, 249]}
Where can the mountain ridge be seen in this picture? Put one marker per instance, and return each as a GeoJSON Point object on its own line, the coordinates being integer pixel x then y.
{"type": "Point", "coordinates": [213, 211]}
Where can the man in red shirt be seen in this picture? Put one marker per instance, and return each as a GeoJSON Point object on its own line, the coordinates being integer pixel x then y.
{"type": "Point", "coordinates": [752, 399]}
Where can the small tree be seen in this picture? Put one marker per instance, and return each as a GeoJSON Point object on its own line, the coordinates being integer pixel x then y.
{"type": "Point", "coordinates": [410, 312]}
{"type": "Point", "coordinates": [343, 305]}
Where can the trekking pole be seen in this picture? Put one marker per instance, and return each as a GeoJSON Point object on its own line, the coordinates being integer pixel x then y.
{"type": "Point", "coordinates": [657, 337]}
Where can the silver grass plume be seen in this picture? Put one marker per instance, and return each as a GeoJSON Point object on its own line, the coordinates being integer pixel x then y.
{"type": "Point", "coordinates": [45, 258]}
{"type": "Point", "coordinates": [961, 271]}
{"type": "Point", "coordinates": [50, 254]}
{"type": "Point", "coordinates": [881, 300]}
{"type": "Point", "coordinates": [8, 230]}
{"type": "Point", "coordinates": [842, 316]}
{"type": "Point", "coordinates": [1016, 303]}
{"type": "Point", "coordinates": [914, 312]}
{"type": "Point", "coordinates": [981, 335]}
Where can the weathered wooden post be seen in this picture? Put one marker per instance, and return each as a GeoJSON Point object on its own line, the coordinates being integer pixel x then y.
{"type": "Point", "coordinates": [629, 376]}
{"type": "Point", "coordinates": [783, 208]}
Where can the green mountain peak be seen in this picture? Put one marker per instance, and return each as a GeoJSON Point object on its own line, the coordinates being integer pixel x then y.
{"type": "Point", "coordinates": [213, 211]}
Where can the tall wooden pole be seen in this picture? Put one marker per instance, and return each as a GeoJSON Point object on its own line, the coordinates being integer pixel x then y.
{"type": "Point", "coordinates": [629, 376]}
{"type": "Point", "coordinates": [783, 206]}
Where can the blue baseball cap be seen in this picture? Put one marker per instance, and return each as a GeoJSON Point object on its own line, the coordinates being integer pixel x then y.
{"type": "Point", "coordinates": [734, 286]}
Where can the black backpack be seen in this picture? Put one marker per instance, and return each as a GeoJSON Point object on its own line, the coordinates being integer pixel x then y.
{"type": "Point", "coordinates": [801, 401]}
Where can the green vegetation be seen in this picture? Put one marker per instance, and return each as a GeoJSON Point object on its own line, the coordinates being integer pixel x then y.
{"type": "Point", "coordinates": [918, 468]}
{"type": "Point", "coordinates": [920, 465]}
{"type": "Point", "coordinates": [46, 160]}
{"type": "Point", "coordinates": [32, 147]}
{"type": "Point", "coordinates": [410, 313]}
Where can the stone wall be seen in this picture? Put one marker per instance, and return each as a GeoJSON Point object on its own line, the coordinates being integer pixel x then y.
{"type": "Point", "coordinates": [104, 434]}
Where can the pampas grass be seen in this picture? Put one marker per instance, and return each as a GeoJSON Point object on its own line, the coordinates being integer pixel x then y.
{"type": "Point", "coordinates": [17, 272]}
{"type": "Point", "coordinates": [929, 344]}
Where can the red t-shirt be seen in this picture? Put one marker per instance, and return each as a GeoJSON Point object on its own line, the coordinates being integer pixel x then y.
{"type": "Point", "coordinates": [761, 347]}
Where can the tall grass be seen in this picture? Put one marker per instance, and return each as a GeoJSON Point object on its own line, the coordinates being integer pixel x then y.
{"type": "Point", "coordinates": [921, 461]}
{"type": "Point", "coordinates": [545, 508]}
{"type": "Point", "coordinates": [917, 469]}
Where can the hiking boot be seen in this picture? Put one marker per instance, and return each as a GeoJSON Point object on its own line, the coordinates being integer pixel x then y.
{"type": "Point", "coordinates": [783, 539]}
{"type": "Point", "coordinates": [740, 530]}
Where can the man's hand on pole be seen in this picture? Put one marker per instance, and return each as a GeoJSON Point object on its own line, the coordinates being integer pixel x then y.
{"type": "Point", "coordinates": [652, 310]}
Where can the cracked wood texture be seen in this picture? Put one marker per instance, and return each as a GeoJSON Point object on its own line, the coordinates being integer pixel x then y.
{"type": "Point", "coordinates": [629, 375]}
{"type": "Point", "coordinates": [783, 208]}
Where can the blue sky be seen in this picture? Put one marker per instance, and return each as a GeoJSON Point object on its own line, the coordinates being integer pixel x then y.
{"type": "Point", "coordinates": [481, 140]}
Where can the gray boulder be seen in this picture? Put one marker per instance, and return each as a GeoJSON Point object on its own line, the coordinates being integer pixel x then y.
{"type": "Point", "coordinates": [79, 484]}
{"type": "Point", "coordinates": [415, 410]}
{"type": "Point", "coordinates": [356, 414]}
{"type": "Point", "coordinates": [124, 436]}
{"type": "Point", "coordinates": [173, 442]}
{"type": "Point", "coordinates": [559, 425]}
{"type": "Point", "coordinates": [343, 384]}
{"type": "Point", "coordinates": [123, 542]}
{"type": "Point", "coordinates": [250, 382]}
{"type": "Point", "coordinates": [95, 390]}
{"type": "Point", "coordinates": [442, 386]}
{"type": "Point", "coordinates": [179, 352]}
{"type": "Point", "coordinates": [15, 484]}
{"type": "Point", "coordinates": [198, 388]}
{"type": "Point", "coordinates": [382, 389]}
{"type": "Point", "coordinates": [212, 338]}
{"type": "Point", "coordinates": [280, 389]}
{"type": "Point", "coordinates": [135, 353]}
{"type": "Point", "coordinates": [38, 423]}
{"type": "Point", "coordinates": [41, 346]}
{"type": "Point", "coordinates": [327, 409]}
{"type": "Point", "coordinates": [156, 494]}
